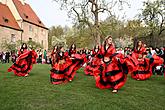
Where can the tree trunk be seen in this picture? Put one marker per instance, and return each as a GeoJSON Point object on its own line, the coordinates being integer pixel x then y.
{"type": "Point", "coordinates": [97, 33]}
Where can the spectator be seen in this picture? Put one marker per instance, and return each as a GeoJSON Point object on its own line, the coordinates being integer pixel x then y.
{"type": "Point", "coordinates": [159, 52]}
{"type": "Point", "coordinates": [13, 57]}
{"type": "Point", "coordinates": [7, 57]}
{"type": "Point", "coordinates": [40, 56]}
{"type": "Point", "coordinates": [149, 55]}
{"type": "Point", "coordinates": [49, 60]}
{"type": "Point", "coordinates": [45, 56]}
{"type": "Point", "coordinates": [3, 57]}
{"type": "Point", "coordinates": [152, 50]}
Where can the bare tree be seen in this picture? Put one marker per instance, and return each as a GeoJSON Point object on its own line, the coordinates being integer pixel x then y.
{"type": "Point", "coordinates": [153, 15]}
{"type": "Point", "coordinates": [87, 12]}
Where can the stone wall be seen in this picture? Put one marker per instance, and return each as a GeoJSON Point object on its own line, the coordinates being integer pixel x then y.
{"type": "Point", "coordinates": [36, 33]}
{"type": "Point", "coordinates": [6, 35]}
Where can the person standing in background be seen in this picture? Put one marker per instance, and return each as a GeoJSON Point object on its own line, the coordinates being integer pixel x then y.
{"type": "Point", "coordinates": [45, 56]}
{"type": "Point", "coordinates": [40, 56]}
{"type": "Point", "coordinates": [152, 50]}
{"type": "Point", "coordinates": [7, 57]}
{"type": "Point", "coordinates": [3, 57]}
{"type": "Point", "coordinates": [13, 57]}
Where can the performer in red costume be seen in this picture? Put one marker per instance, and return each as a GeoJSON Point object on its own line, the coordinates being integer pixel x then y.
{"type": "Point", "coordinates": [60, 67]}
{"type": "Point", "coordinates": [25, 61]}
{"type": "Point", "coordinates": [114, 68]}
{"type": "Point", "coordinates": [78, 61]}
{"type": "Point", "coordinates": [138, 49]}
{"type": "Point", "coordinates": [144, 67]}
{"type": "Point", "coordinates": [23, 49]}
{"type": "Point", "coordinates": [72, 50]}
{"type": "Point", "coordinates": [66, 65]}
{"type": "Point", "coordinates": [94, 63]}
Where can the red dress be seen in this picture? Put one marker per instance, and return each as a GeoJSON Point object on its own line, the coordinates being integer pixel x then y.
{"type": "Point", "coordinates": [112, 74]}
{"type": "Point", "coordinates": [103, 53]}
{"type": "Point", "coordinates": [78, 61]}
{"type": "Point", "coordinates": [144, 67]}
{"type": "Point", "coordinates": [24, 63]}
{"type": "Point", "coordinates": [93, 65]}
{"type": "Point", "coordinates": [59, 68]}
{"type": "Point", "coordinates": [137, 52]}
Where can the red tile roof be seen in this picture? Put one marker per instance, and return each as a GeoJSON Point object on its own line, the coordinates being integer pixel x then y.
{"type": "Point", "coordinates": [27, 13]}
{"type": "Point", "coordinates": [7, 19]}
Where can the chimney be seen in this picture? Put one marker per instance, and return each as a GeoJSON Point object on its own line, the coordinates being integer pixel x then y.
{"type": "Point", "coordinates": [23, 2]}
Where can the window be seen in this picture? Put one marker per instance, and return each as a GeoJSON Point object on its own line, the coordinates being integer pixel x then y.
{"type": "Point", "coordinates": [26, 16]}
{"type": "Point", "coordinates": [30, 39]}
{"type": "Point", "coordinates": [42, 43]}
{"type": "Point", "coordinates": [5, 20]}
{"type": "Point", "coordinates": [39, 21]}
{"type": "Point", "coordinates": [13, 38]}
{"type": "Point", "coordinates": [43, 32]}
{"type": "Point", "coordinates": [30, 28]}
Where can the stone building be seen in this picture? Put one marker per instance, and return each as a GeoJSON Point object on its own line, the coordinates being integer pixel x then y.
{"type": "Point", "coordinates": [21, 23]}
{"type": "Point", "coordinates": [10, 31]}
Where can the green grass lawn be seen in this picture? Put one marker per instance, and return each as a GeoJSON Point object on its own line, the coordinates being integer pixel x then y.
{"type": "Point", "coordinates": [36, 93]}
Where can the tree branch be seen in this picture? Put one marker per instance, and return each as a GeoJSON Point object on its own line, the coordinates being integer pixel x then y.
{"type": "Point", "coordinates": [161, 29]}
{"type": "Point", "coordinates": [102, 10]}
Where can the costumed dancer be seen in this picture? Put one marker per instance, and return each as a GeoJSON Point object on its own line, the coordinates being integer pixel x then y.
{"type": "Point", "coordinates": [138, 49]}
{"type": "Point", "coordinates": [78, 61]}
{"type": "Point", "coordinates": [60, 67]}
{"type": "Point", "coordinates": [145, 65]}
{"type": "Point", "coordinates": [113, 71]}
{"type": "Point", "coordinates": [24, 62]}
{"type": "Point", "coordinates": [94, 63]}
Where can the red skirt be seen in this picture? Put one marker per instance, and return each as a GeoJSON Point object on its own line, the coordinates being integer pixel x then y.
{"type": "Point", "coordinates": [58, 72]}
{"type": "Point", "coordinates": [113, 79]}
{"type": "Point", "coordinates": [110, 76]}
{"type": "Point", "coordinates": [141, 75]}
{"type": "Point", "coordinates": [77, 63]}
{"type": "Point", "coordinates": [113, 74]}
{"type": "Point", "coordinates": [92, 67]}
{"type": "Point", "coordinates": [24, 63]}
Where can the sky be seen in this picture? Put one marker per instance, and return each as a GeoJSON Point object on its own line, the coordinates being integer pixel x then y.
{"type": "Point", "coordinates": [50, 14]}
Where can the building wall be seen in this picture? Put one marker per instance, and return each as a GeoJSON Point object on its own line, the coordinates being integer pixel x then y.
{"type": "Point", "coordinates": [6, 35]}
{"type": "Point", "coordinates": [37, 34]}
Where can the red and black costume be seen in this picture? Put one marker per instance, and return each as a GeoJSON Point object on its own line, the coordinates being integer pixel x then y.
{"type": "Point", "coordinates": [78, 61]}
{"type": "Point", "coordinates": [112, 73]}
{"type": "Point", "coordinates": [24, 63]}
{"type": "Point", "coordinates": [93, 65]}
{"type": "Point", "coordinates": [60, 68]}
{"type": "Point", "coordinates": [138, 52]}
{"type": "Point", "coordinates": [144, 67]}
{"type": "Point", "coordinates": [66, 65]}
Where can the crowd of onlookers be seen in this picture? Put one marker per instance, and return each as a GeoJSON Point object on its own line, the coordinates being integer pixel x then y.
{"type": "Point", "coordinates": [6, 57]}
{"type": "Point", "coordinates": [44, 56]}
{"type": "Point", "coordinates": [150, 51]}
